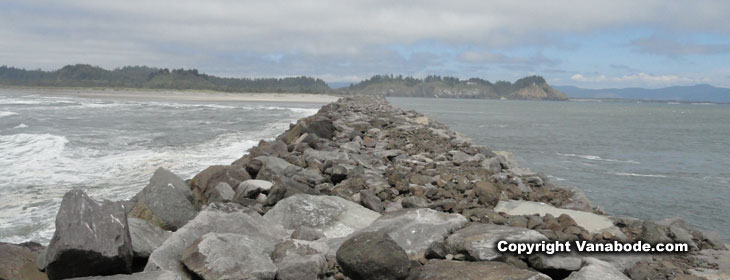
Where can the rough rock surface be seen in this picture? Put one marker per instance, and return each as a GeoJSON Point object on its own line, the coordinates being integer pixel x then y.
{"type": "Point", "coordinates": [594, 223]}
{"type": "Point", "coordinates": [164, 202]}
{"type": "Point", "coordinates": [597, 269]}
{"type": "Point", "coordinates": [445, 269]}
{"type": "Point", "coordinates": [91, 238]}
{"type": "Point", "coordinates": [479, 241]}
{"type": "Point", "coordinates": [145, 237]}
{"type": "Point", "coordinates": [19, 261]}
{"type": "Point", "coordinates": [203, 184]}
{"type": "Point", "coordinates": [331, 215]}
{"type": "Point", "coordinates": [218, 218]}
{"type": "Point", "coordinates": [373, 255]}
{"type": "Point", "coordinates": [229, 256]}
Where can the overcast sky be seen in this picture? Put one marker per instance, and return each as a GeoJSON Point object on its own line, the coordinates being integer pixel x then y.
{"type": "Point", "coordinates": [589, 44]}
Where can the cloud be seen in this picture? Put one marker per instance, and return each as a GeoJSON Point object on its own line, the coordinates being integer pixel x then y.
{"type": "Point", "coordinates": [497, 58]}
{"type": "Point", "coordinates": [638, 79]}
{"type": "Point", "coordinates": [674, 48]}
{"type": "Point", "coordinates": [623, 67]}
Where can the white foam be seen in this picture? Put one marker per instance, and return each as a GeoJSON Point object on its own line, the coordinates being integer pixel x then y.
{"type": "Point", "coordinates": [639, 175]}
{"type": "Point", "coordinates": [597, 158]}
{"type": "Point", "coordinates": [7, 113]}
{"type": "Point", "coordinates": [22, 125]}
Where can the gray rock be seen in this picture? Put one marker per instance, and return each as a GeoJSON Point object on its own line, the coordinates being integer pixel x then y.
{"type": "Point", "coordinates": [597, 269]}
{"type": "Point", "coordinates": [654, 233]}
{"type": "Point", "coordinates": [218, 218]}
{"type": "Point", "coordinates": [91, 238]}
{"type": "Point", "coordinates": [152, 275]}
{"type": "Point", "coordinates": [370, 200]}
{"type": "Point", "coordinates": [544, 262]}
{"type": "Point", "coordinates": [720, 259]}
{"type": "Point", "coordinates": [229, 256]}
{"type": "Point", "coordinates": [222, 192]}
{"type": "Point", "coordinates": [492, 164]}
{"type": "Point", "coordinates": [623, 261]}
{"type": "Point", "coordinates": [295, 247]}
{"type": "Point", "coordinates": [447, 269]}
{"type": "Point", "coordinates": [307, 233]}
{"type": "Point", "coordinates": [459, 157]}
{"type": "Point", "coordinates": [205, 182]}
{"type": "Point", "coordinates": [394, 206]}
{"type": "Point", "coordinates": [593, 223]}
{"type": "Point", "coordinates": [251, 188]}
{"type": "Point", "coordinates": [163, 203]}
{"type": "Point", "coordinates": [18, 261]}
{"type": "Point", "coordinates": [331, 215]}
{"type": "Point", "coordinates": [415, 229]}
{"type": "Point", "coordinates": [414, 202]}
{"type": "Point", "coordinates": [145, 237]}
{"type": "Point", "coordinates": [373, 255]}
{"type": "Point", "coordinates": [487, 192]}
{"type": "Point", "coordinates": [478, 241]}
{"type": "Point", "coordinates": [310, 267]}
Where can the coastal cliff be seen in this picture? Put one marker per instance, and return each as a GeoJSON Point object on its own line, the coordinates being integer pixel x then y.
{"type": "Point", "coordinates": [360, 190]}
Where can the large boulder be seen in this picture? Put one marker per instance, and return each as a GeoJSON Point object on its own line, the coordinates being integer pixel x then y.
{"type": "Point", "coordinates": [445, 269]}
{"type": "Point", "coordinates": [331, 215]}
{"type": "Point", "coordinates": [203, 184]}
{"type": "Point", "coordinates": [218, 218]}
{"type": "Point", "coordinates": [164, 202]}
{"type": "Point", "coordinates": [300, 260]}
{"type": "Point", "coordinates": [597, 269]}
{"type": "Point", "coordinates": [19, 261]}
{"type": "Point", "coordinates": [146, 238]}
{"type": "Point", "coordinates": [415, 229]}
{"type": "Point", "coordinates": [229, 256]}
{"type": "Point", "coordinates": [478, 241]}
{"type": "Point", "coordinates": [91, 238]}
{"type": "Point", "coordinates": [593, 223]}
{"type": "Point", "coordinates": [373, 255]}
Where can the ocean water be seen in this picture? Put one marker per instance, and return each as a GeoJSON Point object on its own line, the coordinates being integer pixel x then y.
{"type": "Point", "coordinates": [51, 144]}
{"type": "Point", "coordinates": [645, 160]}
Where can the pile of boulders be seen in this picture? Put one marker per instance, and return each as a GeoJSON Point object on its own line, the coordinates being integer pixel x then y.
{"type": "Point", "coordinates": [360, 190]}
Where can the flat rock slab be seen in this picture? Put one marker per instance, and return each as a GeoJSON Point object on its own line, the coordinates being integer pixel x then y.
{"type": "Point", "coordinates": [229, 256]}
{"type": "Point", "coordinates": [91, 238]}
{"type": "Point", "coordinates": [479, 241]}
{"type": "Point", "coordinates": [146, 238]}
{"type": "Point", "coordinates": [597, 269]}
{"type": "Point", "coordinates": [333, 216]}
{"type": "Point", "coordinates": [219, 218]}
{"type": "Point", "coordinates": [593, 223]}
{"type": "Point", "coordinates": [444, 269]}
{"type": "Point", "coordinates": [415, 229]}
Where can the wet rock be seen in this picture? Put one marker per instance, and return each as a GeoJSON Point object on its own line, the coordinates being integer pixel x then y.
{"type": "Point", "coordinates": [479, 241]}
{"type": "Point", "coordinates": [205, 182]}
{"type": "Point", "coordinates": [19, 262]}
{"type": "Point", "coordinates": [446, 269]}
{"type": "Point", "coordinates": [218, 218]}
{"type": "Point", "coordinates": [331, 215]}
{"type": "Point", "coordinates": [164, 202]}
{"type": "Point", "coordinates": [597, 269]}
{"type": "Point", "coordinates": [373, 255]}
{"type": "Point", "coordinates": [91, 238]}
{"type": "Point", "coordinates": [415, 229]}
{"type": "Point", "coordinates": [229, 256]}
{"type": "Point", "coordinates": [145, 237]}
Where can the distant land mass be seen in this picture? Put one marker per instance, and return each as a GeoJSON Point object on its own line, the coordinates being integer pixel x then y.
{"type": "Point", "coordinates": [696, 93]}
{"type": "Point", "coordinates": [143, 77]}
{"type": "Point", "coordinates": [528, 88]}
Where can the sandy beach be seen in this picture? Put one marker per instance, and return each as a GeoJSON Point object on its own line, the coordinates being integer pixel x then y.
{"type": "Point", "coordinates": [182, 95]}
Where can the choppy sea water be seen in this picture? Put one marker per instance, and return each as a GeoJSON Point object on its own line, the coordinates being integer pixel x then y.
{"type": "Point", "coordinates": [645, 160]}
{"type": "Point", "coordinates": [51, 144]}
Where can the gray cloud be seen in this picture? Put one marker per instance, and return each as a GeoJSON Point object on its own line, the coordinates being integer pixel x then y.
{"type": "Point", "coordinates": [623, 67]}
{"type": "Point", "coordinates": [673, 48]}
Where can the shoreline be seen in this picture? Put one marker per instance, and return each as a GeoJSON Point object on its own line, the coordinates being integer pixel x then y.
{"type": "Point", "coordinates": [175, 95]}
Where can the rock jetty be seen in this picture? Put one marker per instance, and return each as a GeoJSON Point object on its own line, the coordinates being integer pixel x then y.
{"type": "Point", "coordinates": [360, 190]}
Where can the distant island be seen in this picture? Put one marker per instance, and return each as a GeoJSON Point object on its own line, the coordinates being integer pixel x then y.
{"type": "Point", "coordinates": [696, 93]}
{"type": "Point", "coordinates": [143, 77]}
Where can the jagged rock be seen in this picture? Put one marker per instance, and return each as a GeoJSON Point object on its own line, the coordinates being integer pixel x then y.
{"type": "Point", "coordinates": [145, 237]}
{"type": "Point", "coordinates": [479, 241]}
{"type": "Point", "coordinates": [164, 202]}
{"type": "Point", "coordinates": [331, 215]}
{"type": "Point", "coordinates": [415, 229]}
{"type": "Point", "coordinates": [373, 255]}
{"type": "Point", "coordinates": [19, 261]}
{"type": "Point", "coordinates": [203, 184]}
{"type": "Point", "coordinates": [307, 233]}
{"type": "Point", "coordinates": [151, 275]}
{"type": "Point", "coordinates": [91, 238]}
{"type": "Point", "coordinates": [229, 256]}
{"type": "Point", "coordinates": [218, 218]}
{"type": "Point", "coordinates": [597, 269]}
{"type": "Point", "coordinates": [223, 192]}
{"type": "Point", "coordinates": [446, 269]}
{"type": "Point", "coordinates": [593, 223]}
{"type": "Point", "coordinates": [252, 188]}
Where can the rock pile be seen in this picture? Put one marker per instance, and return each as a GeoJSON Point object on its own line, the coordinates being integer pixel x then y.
{"type": "Point", "coordinates": [360, 190]}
